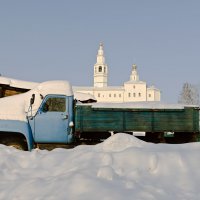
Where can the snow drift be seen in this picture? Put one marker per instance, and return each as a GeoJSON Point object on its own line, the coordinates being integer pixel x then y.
{"type": "Point", "coordinates": [122, 167]}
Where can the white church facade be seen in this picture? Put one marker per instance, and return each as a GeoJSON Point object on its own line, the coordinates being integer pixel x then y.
{"type": "Point", "coordinates": [133, 90]}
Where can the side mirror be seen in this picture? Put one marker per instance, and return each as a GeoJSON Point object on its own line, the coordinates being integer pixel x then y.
{"type": "Point", "coordinates": [41, 96]}
{"type": "Point", "coordinates": [32, 100]}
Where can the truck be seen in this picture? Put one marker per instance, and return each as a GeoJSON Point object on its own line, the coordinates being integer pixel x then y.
{"type": "Point", "coordinates": [49, 115]}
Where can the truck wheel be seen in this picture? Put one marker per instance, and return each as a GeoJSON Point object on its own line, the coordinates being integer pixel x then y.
{"type": "Point", "coordinates": [16, 144]}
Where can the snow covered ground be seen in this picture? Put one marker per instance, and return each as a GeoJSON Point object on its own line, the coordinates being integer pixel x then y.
{"type": "Point", "coordinates": [122, 167]}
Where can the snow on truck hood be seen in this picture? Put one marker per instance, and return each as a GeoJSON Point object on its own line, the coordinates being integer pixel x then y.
{"type": "Point", "coordinates": [16, 107]}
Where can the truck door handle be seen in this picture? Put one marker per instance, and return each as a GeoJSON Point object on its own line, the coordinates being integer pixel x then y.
{"type": "Point", "coordinates": [65, 117]}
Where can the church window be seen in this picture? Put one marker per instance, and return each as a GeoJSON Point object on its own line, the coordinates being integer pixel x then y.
{"type": "Point", "coordinates": [129, 94]}
{"type": "Point", "coordinates": [149, 95]}
{"type": "Point", "coordinates": [114, 95]}
{"type": "Point", "coordinates": [134, 95]}
{"type": "Point", "coordinates": [139, 94]}
{"type": "Point", "coordinates": [109, 95]}
{"type": "Point", "coordinates": [99, 94]}
{"type": "Point", "coordinates": [133, 86]}
{"type": "Point", "coordinates": [120, 95]}
{"type": "Point", "coordinates": [100, 68]}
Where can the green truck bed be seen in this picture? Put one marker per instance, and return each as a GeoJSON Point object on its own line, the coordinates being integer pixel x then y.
{"type": "Point", "coordinates": [94, 119]}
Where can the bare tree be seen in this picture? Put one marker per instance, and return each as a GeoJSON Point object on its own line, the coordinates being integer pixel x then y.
{"type": "Point", "coordinates": [189, 94]}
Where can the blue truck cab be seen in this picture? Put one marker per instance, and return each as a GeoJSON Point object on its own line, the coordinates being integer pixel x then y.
{"type": "Point", "coordinates": [42, 115]}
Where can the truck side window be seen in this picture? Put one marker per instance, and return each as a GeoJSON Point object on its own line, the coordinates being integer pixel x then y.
{"type": "Point", "coordinates": [54, 104]}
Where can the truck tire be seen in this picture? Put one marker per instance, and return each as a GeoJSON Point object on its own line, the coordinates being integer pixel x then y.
{"type": "Point", "coordinates": [16, 143]}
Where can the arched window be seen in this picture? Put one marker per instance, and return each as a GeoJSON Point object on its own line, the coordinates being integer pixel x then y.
{"type": "Point", "coordinates": [100, 68]}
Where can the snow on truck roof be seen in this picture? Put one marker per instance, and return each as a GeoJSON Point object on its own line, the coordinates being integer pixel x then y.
{"type": "Point", "coordinates": [54, 87]}
{"type": "Point", "coordinates": [30, 85]}
{"type": "Point", "coordinates": [15, 107]}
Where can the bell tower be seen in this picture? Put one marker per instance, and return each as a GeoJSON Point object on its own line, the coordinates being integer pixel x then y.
{"type": "Point", "coordinates": [100, 69]}
{"type": "Point", "coordinates": [134, 75]}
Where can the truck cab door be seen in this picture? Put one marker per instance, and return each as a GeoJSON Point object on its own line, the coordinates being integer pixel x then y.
{"type": "Point", "coordinates": [51, 121]}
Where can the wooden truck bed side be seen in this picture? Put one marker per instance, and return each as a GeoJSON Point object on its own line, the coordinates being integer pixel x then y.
{"type": "Point", "coordinates": [89, 119]}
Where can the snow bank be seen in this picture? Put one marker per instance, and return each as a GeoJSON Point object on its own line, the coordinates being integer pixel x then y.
{"type": "Point", "coordinates": [15, 107]}
{"type": "Point", "coordinates": [120, 168]}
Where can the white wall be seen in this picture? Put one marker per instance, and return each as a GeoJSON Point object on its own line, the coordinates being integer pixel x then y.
{"type": "Point", "coordinates": [109, 95]}
{"type": "Point", "coordinates": [135, 92]}
{"type": "Point", "coordinates": [153, 94]}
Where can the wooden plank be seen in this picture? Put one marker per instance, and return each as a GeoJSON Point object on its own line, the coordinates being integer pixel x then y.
{"type": "Point", "coordinates": [98, 121]}
{"type": "Point", "coordinates": [138, 121]}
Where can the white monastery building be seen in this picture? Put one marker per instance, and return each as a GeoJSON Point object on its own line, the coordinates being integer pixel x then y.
{"type": "Point", "coordinates": [133, 90]}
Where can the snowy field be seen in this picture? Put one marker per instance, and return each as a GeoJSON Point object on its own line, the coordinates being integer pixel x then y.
{"type": "Point", "coordinates": [122, 167]}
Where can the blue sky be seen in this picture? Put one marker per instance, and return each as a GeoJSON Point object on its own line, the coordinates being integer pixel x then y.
{"type": "Point", "coordinates": [58, 39]}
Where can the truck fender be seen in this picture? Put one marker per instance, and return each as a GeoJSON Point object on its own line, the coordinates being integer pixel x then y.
{"type": "Point", "coordinates": [17, 128]}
